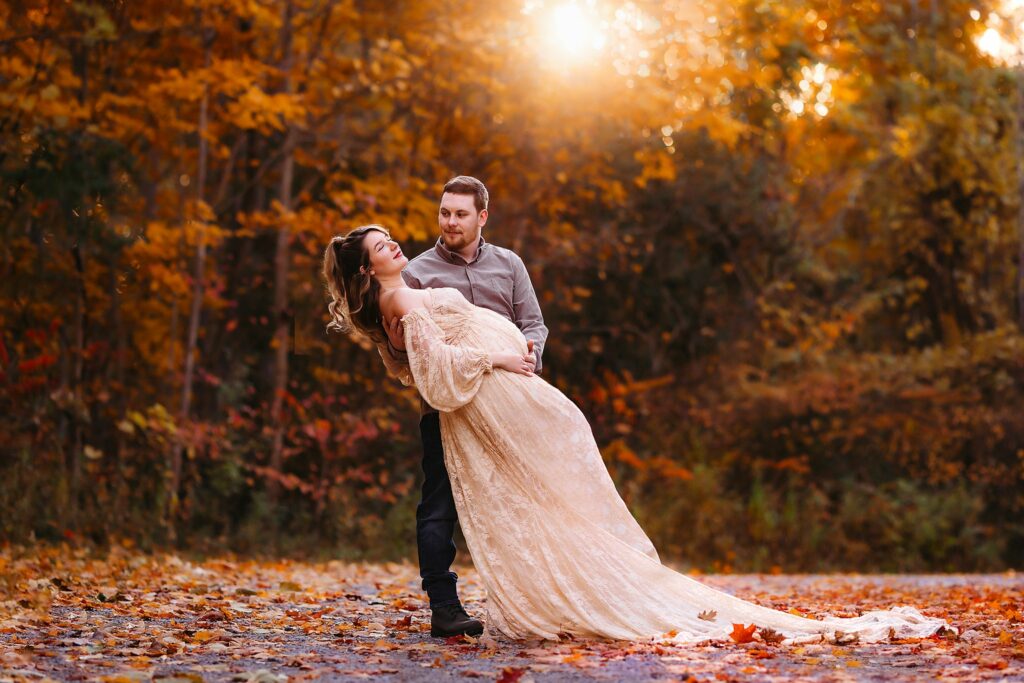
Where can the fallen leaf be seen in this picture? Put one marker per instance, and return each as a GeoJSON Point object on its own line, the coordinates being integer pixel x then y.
{"type": "Point", "coordinates": [511, 674]}
{"type": "Point", "coordinates": [708, 615]}
{"type": "Point", "coordinates": [260, 676]}
{"type": "Point", "coordinates": [402, 624]}
{"type": "Point", "coordinates": [179, 677]}
{"type": "Point", "coordinates": [460, 640]}
{"type": "Point", "coordinates": [743, 634]}
{"type": "Point", "coordinates": [993, 662]}
{"type": "Point", "coordinates": [842, 638]}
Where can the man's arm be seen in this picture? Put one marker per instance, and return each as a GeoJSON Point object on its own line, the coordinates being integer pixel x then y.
{"type": "Point", "coordinates": [526, 308]}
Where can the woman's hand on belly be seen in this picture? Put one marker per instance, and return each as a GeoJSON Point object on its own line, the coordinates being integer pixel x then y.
{"type": "Point", "coordinates": [521, 364]}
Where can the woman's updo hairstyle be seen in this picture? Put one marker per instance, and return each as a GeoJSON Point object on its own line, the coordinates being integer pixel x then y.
{"type": "Point", "coordinates": [355, 294]}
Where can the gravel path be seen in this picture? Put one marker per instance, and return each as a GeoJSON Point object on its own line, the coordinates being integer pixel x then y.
{"type": "Point", "coordinates": [133, 618]}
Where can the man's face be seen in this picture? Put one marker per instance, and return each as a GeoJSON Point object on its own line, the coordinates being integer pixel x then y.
{"type": "Point", "coordinates": [459, 221]}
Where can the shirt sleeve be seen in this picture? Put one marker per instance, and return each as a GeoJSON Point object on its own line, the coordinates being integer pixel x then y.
{"type": "Point", "coordinates": [447, 376]}
{"type": "Point", "coordinates": [526, 308]}
{"type": "Point", "coordinates": [411, 279]}
{"type": "Point", "coordinates": [397, 367]}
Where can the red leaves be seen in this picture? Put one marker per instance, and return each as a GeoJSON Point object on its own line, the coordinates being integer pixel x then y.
{"type": "Point", "coordinates": [992, 662]}
{"type": "Point", "coordinates": [358, 619]}
{"type": "Point", "coordinates": [204, 636]}
{"type": "Point", "coordinates": [456, 640]}
{"type": "Point", "coordinates": [221, 614]}
{"type": "Point", "coordinates": [37, 364]}
{"type": "Point", "coordinates": [320, 431]}
{"type": "Point", "coordinates": [511, 674]}
{"type": "Point", "coordinates": [286, 480]}
{"type": "Point", "coordinates": [403, 624]}
{"type": "Point", "coordinates": [404, 605]}
{"type": "Point", "coordinates": [743, 634]}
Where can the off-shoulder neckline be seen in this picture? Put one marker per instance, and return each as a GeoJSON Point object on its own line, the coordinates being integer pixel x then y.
{"type": "Point", "coordinates": [428, 309]}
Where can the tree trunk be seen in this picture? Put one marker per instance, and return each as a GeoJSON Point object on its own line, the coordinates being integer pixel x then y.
{"type": "Point", "coordinates": [195, 313]}
{"type": "Point", "coordinates": [77, 403]}
{"type": "Point", "coordinates": [281, 317]}
{"type": "Point", "coordinates": [116, 373]}
{"type": "Point", "coordinates": [78, 224]}
{"type": "Point", "coordinates": [167, 383]}
{"type": "Point", "coordinates": [1020, 200]}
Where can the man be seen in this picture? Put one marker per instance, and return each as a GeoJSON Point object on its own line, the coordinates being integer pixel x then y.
{"type": "Point", "coordinates": [491, 277]}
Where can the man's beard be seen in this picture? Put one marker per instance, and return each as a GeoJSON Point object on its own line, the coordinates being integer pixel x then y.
{"type": "Point", "coordinates": [455, 242]}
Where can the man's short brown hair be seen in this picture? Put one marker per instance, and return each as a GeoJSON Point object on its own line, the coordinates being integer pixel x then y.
{"type": "Point", "coordinates": [465, 184]}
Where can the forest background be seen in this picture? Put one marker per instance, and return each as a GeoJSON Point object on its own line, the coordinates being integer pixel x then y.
{"type": "Point", "coordinates": [778, 245]}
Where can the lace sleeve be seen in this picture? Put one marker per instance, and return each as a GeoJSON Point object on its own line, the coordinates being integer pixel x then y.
{"type": "Point", "coordinates": [396, 368]}
{"type": "Point", "coordinates": [447, 376]}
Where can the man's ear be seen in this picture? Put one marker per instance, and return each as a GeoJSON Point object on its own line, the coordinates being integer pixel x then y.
{"type": "Point", "coordinates": [482, 218]}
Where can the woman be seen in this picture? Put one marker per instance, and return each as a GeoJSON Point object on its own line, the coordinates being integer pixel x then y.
{"type": "Point", "coordinates": [553, 542]}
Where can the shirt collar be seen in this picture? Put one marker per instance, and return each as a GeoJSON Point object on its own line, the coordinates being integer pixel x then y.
{"type": "Point", "coordinates": [451, 257]}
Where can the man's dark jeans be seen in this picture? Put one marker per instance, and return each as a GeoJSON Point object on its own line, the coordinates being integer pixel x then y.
{"type": "Point", "coordinates": [435, 518]}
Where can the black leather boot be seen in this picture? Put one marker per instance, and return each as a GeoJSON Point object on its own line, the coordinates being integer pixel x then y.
{"type": "Point", "coordinates": [451, 620]}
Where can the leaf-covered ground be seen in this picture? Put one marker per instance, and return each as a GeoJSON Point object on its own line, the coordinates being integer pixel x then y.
{"type": "Point", "coordinates": [71, 615]}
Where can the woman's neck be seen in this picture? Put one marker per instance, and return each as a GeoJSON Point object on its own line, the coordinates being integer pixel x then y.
{"type": "Point", "coordinates": [389, 282]}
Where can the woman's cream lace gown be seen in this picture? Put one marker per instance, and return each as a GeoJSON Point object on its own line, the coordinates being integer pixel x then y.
{"type": "Point", "coordinates": [554, 544]}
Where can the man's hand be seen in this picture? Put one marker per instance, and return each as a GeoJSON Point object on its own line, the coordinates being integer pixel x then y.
{"type": "Point", "coordinates": [396, 333]}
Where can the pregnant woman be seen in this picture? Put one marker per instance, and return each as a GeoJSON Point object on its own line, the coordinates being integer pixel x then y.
{"type": "Point", "coordinates": [554, 544]}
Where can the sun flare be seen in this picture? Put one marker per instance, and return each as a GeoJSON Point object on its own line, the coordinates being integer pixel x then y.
{"type": "Point", "coordinates": [572, 31]}
{"type": "Point", "coordinates": [1003, 38]}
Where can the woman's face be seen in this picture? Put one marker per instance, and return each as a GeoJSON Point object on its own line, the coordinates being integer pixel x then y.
{"type": "Point", "coordinates": [386, 257]}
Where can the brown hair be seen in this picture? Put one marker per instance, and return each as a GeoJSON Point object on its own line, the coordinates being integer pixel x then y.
{"type": "Point", "coordinates": [465, 184]}
{"type": "Point", "coordinates": [355, 294]}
